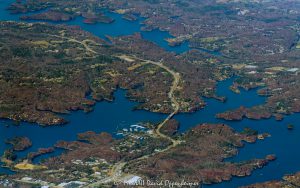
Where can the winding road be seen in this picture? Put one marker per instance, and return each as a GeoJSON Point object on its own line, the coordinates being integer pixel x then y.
{"type": "Point", "coordinates": [84, 43]}
{"type": "Point", "coordinates": [116, 173]}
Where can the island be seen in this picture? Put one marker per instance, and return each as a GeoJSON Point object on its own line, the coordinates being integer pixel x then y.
{"type": "Point", "coordinates": [65, 64]}
{"type": "Point", "coordinates": [99, 159]}
{"type": "Point", "coordinates": [292, 180]}
{"type": "Point", "coordinates": [51, 69]}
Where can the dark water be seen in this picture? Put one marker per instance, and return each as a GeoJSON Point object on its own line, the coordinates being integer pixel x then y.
{"type": "Point", "coordinates": [111, 116]}
{"type": "Point", "coordinates": [107, 116]}
{"type": "Point", "coordinates": [158, 37]}
{"type": "Point", "coordinates": [233, 100]}
{"type": "Point", "coordinates": [283, 142]}
{"type": "Point", "coordinates": [119, 27]}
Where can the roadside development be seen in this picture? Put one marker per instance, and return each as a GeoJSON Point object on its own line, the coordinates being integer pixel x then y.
{"type": "Point", "coordinates": [116, 173]}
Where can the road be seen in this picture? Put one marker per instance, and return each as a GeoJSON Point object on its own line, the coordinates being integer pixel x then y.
{"type": "Point", "coordinates": [116, 174]}
{"type": "Point", "coordinates": [84, 43]}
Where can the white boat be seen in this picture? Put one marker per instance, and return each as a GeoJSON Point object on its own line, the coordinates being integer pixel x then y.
{"type": "Point", "coordinates": [137, 126]}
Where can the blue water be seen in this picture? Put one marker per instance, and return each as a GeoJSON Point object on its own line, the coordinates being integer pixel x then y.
{"type": "Point", "coordinates": [107, 117]}
{"type": "Point", "coordinates": [233, 101]}
{"type": "Point", "coordinates": [119, 27]}
{"type": "Point", "coordinates": [158, 37]}
{"type": "Point", "coordinates": [111, 116]}
{"type": "Point", "coordinates": [283, 142]}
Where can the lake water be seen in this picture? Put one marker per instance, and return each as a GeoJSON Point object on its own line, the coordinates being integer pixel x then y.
{"type": "Point", "coordinates": [119, 27]}
{"type": "Point", "coordinates": [283, 142]}
{"type": "Point", "coordinates": [110, 116]}
{"type": "Point", "coordinates": [107, 117]}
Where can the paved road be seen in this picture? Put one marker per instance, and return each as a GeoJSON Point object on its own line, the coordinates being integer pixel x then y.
{"type": "Point", "coordinates": [116, 173]}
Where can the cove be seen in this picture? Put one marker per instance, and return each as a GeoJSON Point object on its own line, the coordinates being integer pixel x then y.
{"type": "Point", "coordinates": [111, 116]}
{"type": "Point", "coordinates": [119, 27]}
{"type": "Point", "coordinates": [106, 117]}
{"type": "Point", "coordinates": [283, 142]}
